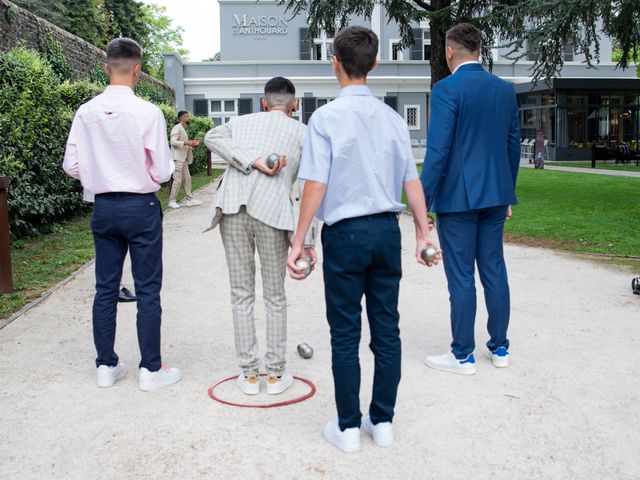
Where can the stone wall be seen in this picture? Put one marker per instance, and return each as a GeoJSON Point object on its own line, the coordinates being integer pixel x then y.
{"type": "Point", "coordinates": [21, 27]}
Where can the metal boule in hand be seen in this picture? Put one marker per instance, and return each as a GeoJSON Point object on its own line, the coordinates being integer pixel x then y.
{"type": "Point", "coordinates": [428, 254]}
{"type": "Point", "coordinates": [305, 265]}
{"type": "Point", "coordinates": [272, 159]}
{"type": "Point", "coordinates": [305, 350]}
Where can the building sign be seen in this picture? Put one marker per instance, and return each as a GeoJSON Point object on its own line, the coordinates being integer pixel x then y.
{"type": "Point", "coordinates": [259, 25]}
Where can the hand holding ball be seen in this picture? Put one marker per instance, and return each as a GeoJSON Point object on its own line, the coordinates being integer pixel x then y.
{"type": "Point", "coordinates": [272, 159]}
{"type": "Point", "coordinates": [305, 265]}
{"type": "Point", "coordinates": [429, 254]}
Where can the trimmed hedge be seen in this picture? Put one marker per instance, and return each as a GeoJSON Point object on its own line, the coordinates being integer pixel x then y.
{"type": "Point", "coordinates": [36, 111]}
{"type": "Point", "coordinates": [34, 123]}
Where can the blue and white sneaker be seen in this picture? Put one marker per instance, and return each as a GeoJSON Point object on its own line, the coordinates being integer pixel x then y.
{"type": "Point", "coordinates": [449, 363]}
{"type": "Point", "coordinates": [499, 357]}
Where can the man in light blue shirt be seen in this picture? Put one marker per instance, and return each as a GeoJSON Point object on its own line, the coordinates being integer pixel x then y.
{"type": "Point", "coordinates": [355, 161]}
{"type": "Point", "coordinates": [365, 176]}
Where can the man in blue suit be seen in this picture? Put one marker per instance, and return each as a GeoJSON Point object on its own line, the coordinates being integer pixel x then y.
{"type": "Point", "coordinates": [469, 179]}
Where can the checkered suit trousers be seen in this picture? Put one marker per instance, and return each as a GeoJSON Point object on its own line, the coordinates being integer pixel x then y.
{"type": "Point", "coordinates": [241, 234]}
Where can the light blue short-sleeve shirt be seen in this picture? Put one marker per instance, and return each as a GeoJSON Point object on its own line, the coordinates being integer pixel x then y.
{"type": "Point", "coordinates": [360, 148]}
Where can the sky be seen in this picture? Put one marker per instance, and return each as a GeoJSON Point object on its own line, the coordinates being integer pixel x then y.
{"type": "Point", "coordinates": [200, 20]}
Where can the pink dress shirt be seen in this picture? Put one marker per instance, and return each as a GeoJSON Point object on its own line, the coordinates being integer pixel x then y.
{"type": "Point", "coordinates": [118, 143]}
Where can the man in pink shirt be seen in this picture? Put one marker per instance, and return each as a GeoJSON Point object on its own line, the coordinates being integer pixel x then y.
{"type": "Point", "coordinates": [118, 149]}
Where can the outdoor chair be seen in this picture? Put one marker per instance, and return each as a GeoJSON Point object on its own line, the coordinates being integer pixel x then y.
{"type": "Point", "coordinates": [602, 152]}
{"type": "Point", "coordinates": [624, 154]}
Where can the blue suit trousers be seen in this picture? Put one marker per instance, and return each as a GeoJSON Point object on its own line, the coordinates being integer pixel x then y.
{"type": "Point", "coordinates": [121, 222]}
{"type": "Point", "coordinates": [467, 238]}
{"type": "Point", "coordinates": [362, 257]}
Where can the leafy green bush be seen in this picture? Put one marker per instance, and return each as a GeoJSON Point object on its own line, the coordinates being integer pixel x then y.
{"type": "Point", "coordinates": [153, 93]}
{"type": "Point", "coordinates": [34, 122]}
{"type": "Point", "coordinates": [74, 94]}
{"type": "Point", "coordinates": [36, 111]}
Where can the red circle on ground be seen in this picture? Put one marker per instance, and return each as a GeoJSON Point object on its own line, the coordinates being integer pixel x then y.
{"type": "Point", "coordinates": [311, 393]}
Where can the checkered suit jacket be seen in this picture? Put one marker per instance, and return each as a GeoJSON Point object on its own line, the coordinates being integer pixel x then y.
{"type": "Point", "coordinates": [240, 142]}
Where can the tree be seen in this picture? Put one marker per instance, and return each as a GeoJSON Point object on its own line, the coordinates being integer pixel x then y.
{"type": "Point", "coordinates": [126, 19]}
{"type": "Point", "coordinates": [537, 28]}
{"type": "Point", "coordinates": [162, 37]}
{"type": "Point", "coordinates": [53, 11]}
{"type": "Point", "coordinates": [87, 19]}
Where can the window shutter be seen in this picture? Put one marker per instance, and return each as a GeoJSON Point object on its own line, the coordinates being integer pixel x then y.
{"type": "Point", "coordinates": [416, 48]}
{"type": "Point", "coordinates": [392, 102]}
{"type": "Point", "coordinates": [305, 44]}
{"type": "Point", "coordinates": [245, 106]}
{"type": "Point", "coordinates": [308, 107]}
{"type": "Point", "coordinates": [200, 108]}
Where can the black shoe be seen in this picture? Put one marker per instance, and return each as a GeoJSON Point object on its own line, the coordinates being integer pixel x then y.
{"type": "Point", "coordinates": [126, 296]}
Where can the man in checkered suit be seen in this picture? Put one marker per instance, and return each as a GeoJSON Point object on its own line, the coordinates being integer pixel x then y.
{"type": "Point", "coordinates": [254, 209]}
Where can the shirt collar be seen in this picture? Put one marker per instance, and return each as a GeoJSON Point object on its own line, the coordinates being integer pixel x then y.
{"type": "Point", "coordinates": [352, 90]}
{"type": "Point", "coordinates": [119, 89]}
{"type": "Point", "coordinates": [465, 63]}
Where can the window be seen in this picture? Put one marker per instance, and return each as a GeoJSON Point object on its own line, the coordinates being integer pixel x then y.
{"type": "Point", "coordinates": [568, 53]}
{"type": "Point", "coordinates": [200, 108]}
{"type": "Point", "coordinates": [223, 110]}
{"type": "Point", "coordinates": [323, 47]}
{"type": "Point", "coordinates": [395, 49]}
{"type": "Point", "coordinates": [412, 116]}
{"type": "Point", "coordinates": [426, 44]}
{"type": "Point", "coordinates": [310, 105]}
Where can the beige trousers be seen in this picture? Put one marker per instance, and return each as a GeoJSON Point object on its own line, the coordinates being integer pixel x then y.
{"type": "Point", "coordinates": [241, 235]}
{"type": "Point", "coordinates": [180, 173]}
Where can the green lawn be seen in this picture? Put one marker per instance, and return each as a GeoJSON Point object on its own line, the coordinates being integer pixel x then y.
{"type": "Point", "coordinates": [577, 212]}
{"type": "Point", "coordinates": [41, 262]}
{"type": "Point", "coordinates": [631, 167]}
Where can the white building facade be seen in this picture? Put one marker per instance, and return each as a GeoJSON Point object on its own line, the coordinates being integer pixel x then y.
{"type": "Point", "coordinates": [259, 40]}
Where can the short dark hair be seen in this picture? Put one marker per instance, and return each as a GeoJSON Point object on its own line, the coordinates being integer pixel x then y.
{"type": "Point", "coordinates": [466, 36]}
{"type": "Point", "coordinates": [123, 49]}
{"type": "Point", "coordinates": [280, 91]}
{"type": "Point", "coordinates": [357, 49]}
{"type": "Point", "coordinates": [180, 113]}
{"type": "Point", "coordinates": [279, 85]}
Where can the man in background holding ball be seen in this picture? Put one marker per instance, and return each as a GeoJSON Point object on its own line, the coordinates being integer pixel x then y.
{"type": "Point", "coordinates": [254, 210]}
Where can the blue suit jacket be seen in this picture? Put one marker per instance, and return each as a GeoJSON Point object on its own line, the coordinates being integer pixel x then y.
{"type": "Point", "coordinates": [473, 146]}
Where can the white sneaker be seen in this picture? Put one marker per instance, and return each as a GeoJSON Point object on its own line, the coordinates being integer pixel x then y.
{"type": "Point", "coordinates": [249, 385]}
{"type": "Point", "coordinates": [449, 363]}
{"type": "Point", "coordinates": [348, 440]}
{"type": "Point", "coordinates": [155, 380]}
{"type": "Point", "coordinates": [106, 376]}
{"type": "Point", "coordinates": [173, 204]}
{"type": "Point", "coordinates": [500, 357]}
{"type": "Point", "coordinates": [276, 385]}
{"type": "Point", "coordinates": [382, 433]}
{"type": "Point", "coordinates": [192, 203]}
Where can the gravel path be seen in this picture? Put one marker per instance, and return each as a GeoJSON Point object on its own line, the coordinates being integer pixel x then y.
{"type": "Point", "coordinates": [566, 408]}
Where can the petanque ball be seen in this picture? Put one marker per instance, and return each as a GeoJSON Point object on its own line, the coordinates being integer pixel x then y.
{"type": "Point", "coordinates": [428, 254]}
{"type": "Point", "coordinates": [272, 159]}
{"type": "Point", "coordinates": [305, 265]}
{"type": "Point", "coordinates": [305, 350]}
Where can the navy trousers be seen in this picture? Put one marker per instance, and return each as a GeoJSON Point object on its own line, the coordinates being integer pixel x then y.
{"type": "Point", "coordinates": [467, 238]}
{"type": "Point", "coordinates": [362, 257]}
{"type": "Point", "coordinates": [121, 222]}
